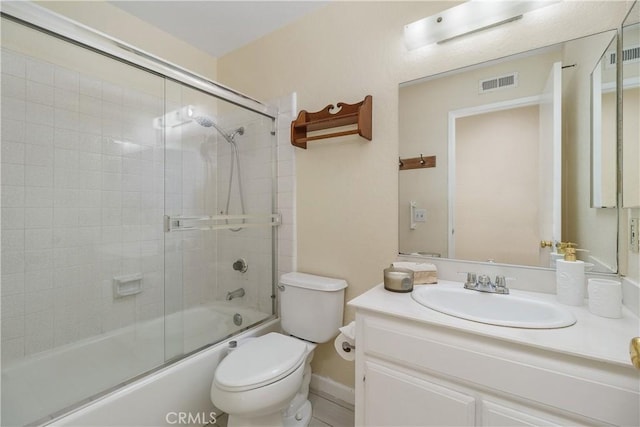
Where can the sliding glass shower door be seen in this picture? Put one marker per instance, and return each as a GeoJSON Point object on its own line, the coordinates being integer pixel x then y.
{"type": "Point", "coordinates": [82, 239]}
{"type": "Point", "coordinates": [219, 200]}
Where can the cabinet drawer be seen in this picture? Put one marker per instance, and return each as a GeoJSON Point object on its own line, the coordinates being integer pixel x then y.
{"type": "Point", "coordinates": [581, 387]}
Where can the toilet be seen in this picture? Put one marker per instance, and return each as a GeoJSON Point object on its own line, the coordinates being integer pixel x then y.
{"type": "Point", "coordinates": [265, 381]}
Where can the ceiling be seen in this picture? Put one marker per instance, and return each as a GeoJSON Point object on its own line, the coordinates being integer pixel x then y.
{"type": "Point", "coordinates": [218, 27]}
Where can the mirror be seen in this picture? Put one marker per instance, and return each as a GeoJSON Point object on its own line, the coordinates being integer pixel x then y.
{"type": "Point", "coordinates": [604, 134]}
{"type": "Point", "coordinates": [510, 142]}
{"type": "Point", "coordinates": [630, 109]}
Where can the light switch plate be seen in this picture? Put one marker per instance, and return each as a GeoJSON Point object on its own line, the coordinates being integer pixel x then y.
{"type": "Point", "coordinates": [633, 235]}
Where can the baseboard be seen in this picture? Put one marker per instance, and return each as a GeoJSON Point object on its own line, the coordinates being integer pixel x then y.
{"type": "Point", "coordinates": [333, 390]}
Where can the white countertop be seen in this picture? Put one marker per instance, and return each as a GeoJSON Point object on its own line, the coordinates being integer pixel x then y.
{"type": "Point", "coordinates": [591, 336]}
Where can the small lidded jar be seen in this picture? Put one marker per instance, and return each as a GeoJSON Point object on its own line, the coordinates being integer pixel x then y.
{"type": "Point", "coordinates": [398, 279]}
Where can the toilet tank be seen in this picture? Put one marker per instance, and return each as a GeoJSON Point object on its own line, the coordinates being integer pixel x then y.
{"type": "Point", "coordinates": [311, 307]}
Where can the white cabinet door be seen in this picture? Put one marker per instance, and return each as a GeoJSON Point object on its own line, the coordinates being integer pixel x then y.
{"type": "Point", "coordinates": [394, 398]}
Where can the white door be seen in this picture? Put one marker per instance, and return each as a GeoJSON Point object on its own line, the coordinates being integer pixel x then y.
{"type": "Point", "coordinates": [496, 184]}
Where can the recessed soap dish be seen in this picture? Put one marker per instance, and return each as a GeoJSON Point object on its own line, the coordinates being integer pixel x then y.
{"type": "Point", "coordinates": [125, 285]}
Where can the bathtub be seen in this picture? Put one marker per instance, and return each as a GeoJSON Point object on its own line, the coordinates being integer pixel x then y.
{"type": "Point", "coordinates": [34, 388]}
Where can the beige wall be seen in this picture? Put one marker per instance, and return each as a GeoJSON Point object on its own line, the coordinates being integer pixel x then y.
{"type": "Point", "coordinates": [347, 189]}
{"type": "Point", "coordinates": [631, 148]}
{"type": "Point", "coordinates": [631, 179]}
{"type": "Point", "coordinates": [631, 111]}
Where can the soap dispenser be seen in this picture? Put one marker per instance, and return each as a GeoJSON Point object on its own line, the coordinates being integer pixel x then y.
{"type": "Point", "coordinates": [557, 254]}
{"type": "Point", "coordinates": [570, 284]}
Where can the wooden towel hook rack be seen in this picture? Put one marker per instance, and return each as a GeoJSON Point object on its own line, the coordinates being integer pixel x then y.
{"type": "Point", "coordinates": [417, 162]}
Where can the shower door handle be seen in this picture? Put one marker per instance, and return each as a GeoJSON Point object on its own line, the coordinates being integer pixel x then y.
{"type": "Point", "coordinates": [173, 224]}
{"type": "Point", "coordinates": [179, 223]}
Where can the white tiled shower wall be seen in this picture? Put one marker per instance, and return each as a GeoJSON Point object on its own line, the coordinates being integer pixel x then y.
{"type": "Point", "coordinates": [287, 261]}
{"type": "Point", "coordinates": [83, 191]}
{"type": "Point", "coordinates": [82, 202]}
{"type": "Point", "coordinates": [254, 244]}
{"type": "Point", "coordinates": [250, 244]}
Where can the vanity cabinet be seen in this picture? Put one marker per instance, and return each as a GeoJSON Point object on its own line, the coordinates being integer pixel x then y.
{"type": "Point", "coordinates": [410, 373]}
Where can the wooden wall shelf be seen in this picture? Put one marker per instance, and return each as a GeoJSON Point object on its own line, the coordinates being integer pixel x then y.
{"type": "Point", "coordinates": [349, 114]}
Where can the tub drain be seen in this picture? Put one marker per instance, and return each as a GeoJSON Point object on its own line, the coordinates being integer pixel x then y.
{"type": "Point", "coordinates": [237, 319]}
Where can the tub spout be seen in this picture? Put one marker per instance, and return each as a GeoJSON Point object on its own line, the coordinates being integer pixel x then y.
{"type": "Point", "coordinates": [235, 294]}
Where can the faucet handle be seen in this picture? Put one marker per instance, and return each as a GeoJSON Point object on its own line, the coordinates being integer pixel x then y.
{"type": "Point", "coordinates": [501, 284]}
{"type": "Point", "coordinates": [470, 275]}
{"type": "Point", "coordinates": [471, 279]}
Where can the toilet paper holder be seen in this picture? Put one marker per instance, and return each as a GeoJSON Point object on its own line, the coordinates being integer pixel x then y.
{"type": "Point", "coordinates": [347, 347]}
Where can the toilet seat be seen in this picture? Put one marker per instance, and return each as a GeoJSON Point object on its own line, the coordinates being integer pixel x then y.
{"type": "Point", "coordinates": [260, 362]}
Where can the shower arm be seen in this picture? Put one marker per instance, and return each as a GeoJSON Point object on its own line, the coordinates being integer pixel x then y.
{"type": "Point", "coordinates": [206, 122]}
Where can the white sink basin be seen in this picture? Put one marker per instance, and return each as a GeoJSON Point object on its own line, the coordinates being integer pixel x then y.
{"type": "Point", "coordinates": [494, 309]}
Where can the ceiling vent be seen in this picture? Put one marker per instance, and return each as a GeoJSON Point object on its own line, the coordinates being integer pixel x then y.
{"type": "Point", "coordinates": [630, 55]}
{"type": "Point", "coordinates": [499, 82]}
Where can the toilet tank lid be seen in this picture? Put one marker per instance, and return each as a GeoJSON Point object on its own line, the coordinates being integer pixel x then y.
{"type": "Point", "coordinates": [311, 281]}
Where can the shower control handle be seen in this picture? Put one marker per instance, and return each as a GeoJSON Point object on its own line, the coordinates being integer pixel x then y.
{"type": "Point", "coordinates": [241, 265]}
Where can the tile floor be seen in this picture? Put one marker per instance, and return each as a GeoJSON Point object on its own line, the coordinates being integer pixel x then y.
{"type": "Point", "coordinates": [330, 413]}
{"type": "Point", "coordinates": [326, 413]}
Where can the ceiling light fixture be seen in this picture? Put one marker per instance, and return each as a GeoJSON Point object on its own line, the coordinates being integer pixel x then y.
{"type": "Point", "coordinates": [467, 18]}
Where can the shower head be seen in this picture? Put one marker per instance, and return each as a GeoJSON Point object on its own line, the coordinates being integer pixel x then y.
{"type": "Point", "coordinates": [208, 122]}
{"type": "Point", "coordinates": [204, 121]}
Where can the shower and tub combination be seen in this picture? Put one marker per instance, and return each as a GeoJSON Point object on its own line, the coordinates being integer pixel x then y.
{"type": "Point", "coordinates": [138, 227]}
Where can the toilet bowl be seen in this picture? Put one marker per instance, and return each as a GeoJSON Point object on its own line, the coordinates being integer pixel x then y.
{"type": "Point", "coordinates": [260, 379]}
{"type": "Point", "coordinates": [265, 382]}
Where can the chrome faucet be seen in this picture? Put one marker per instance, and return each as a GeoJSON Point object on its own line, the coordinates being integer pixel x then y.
{"type": "Point", "coordinates": [238, 293]}
{"type": "Point", "coordinates": [483, 284]}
